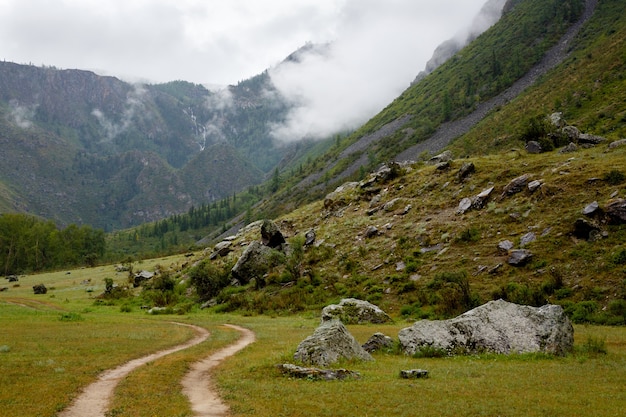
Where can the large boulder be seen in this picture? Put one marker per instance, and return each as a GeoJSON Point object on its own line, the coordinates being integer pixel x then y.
{"type": "Point", "coordinates": [330, 342]}
{"type": "Point", "coordinates": [271, 235]}
{"type": "Point", "coordinates": [498, 327]}
{"type": "Point", "coordinates": [255, 261]}
{"type": "Point", "coordinates": [354, 311]}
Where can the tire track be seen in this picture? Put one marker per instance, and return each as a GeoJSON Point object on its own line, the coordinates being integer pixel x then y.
{"type": "Point", "coordinates": [95, 398]}
{"type": "Point", "coordinates": [205, 402]}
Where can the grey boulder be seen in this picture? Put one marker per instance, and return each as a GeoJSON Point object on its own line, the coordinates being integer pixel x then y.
{"type": "Point", "coordinates": [497, 327]}
{"type": "Point", "coordinates": [330, 342]}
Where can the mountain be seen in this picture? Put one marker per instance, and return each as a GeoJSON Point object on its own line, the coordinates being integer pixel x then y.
{"type": "Point", "coordinates": [431, 237]}
{"type": "Point", "coordinates": [82, 148]}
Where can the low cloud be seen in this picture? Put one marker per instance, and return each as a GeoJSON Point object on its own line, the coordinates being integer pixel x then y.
{"type": "Point", "coordinates": [22, 115]}
{"type": "Point", "coordinates": [133, 105]}
{"type": "Point", "coordinates": [379, 49]}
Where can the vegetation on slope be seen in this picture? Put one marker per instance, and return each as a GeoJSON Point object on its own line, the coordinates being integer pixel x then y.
{"type": "Point", "coordinates": [589, 89]}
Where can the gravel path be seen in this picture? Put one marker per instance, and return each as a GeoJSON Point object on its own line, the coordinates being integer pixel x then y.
{"type": "Point", "coordinates": [94, 400]}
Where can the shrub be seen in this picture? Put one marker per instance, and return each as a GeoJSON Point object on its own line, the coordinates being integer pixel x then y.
{"type": "Point", "coordinates": [582, 312]}
{"type": "Point", "coordinates": [614, 177]}
{"type": "Point", "coordinates": [469, 235]}
{"type": "Point", "coordinates": [430, 352]}
{"type": "Point", "coordinates": [70, 316]}
{"type": "Point", "coordinates": [208, 279]}
{"type": "Point", "coordinates": [453, 292]}
{"type": "Point", "coordinates": [594, 346]}
{"type": "Point", "coordinates": [619, 258]}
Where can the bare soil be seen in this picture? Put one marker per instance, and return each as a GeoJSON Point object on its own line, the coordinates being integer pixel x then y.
{"type": "Point", "coordinates": [205, 402]}
{"type": "Point", "coordinates": [94, 400]}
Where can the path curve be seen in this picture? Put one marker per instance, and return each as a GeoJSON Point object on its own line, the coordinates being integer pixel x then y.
{"type": "Point", "coordinates": [205, 402]}
{"type": "Point", "coordinates": [94, 400]}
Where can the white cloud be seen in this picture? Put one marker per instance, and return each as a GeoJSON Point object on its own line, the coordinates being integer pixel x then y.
{"type": "Point", "coordinates": [379, 49]}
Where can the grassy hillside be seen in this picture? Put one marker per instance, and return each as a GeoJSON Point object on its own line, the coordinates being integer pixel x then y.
{"type": "Point", "coordinates": [589, 88]}
{"type": "Point", "coordinates": [433, 262]}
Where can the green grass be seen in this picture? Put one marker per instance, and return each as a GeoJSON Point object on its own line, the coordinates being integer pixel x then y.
{"type": "Point", "coordinates": [45, 360]}
{"type": "Point", "coordinates": [525, 385]}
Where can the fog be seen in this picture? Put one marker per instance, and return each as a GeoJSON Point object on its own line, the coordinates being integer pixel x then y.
{"type": "Point", "coordinates": [378, 51]}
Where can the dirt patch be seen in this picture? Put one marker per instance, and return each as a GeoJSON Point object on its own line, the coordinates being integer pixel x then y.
{"type": "Point", "coordinates": [94, 400]}
{"type": "Point", "coordinates": [205, 402]}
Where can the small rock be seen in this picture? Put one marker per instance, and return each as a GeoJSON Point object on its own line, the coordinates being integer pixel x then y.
{"type": "Point", "coordinates": [617, 144]}
{"type": "Point", "coordinates": [465, 171]}
{"type": "Point", "coordinates": [414, 374]}
{"type": "Point", "coordinates": [505, 246]}
{"type": "Point", "coordinates": [591, 209]}
{"type": "Point", "coordinates": [316, 373]}
{"type": "Point", "coordinates": [533, 147]}
{"type": "Point", "coordinates": [534, 185]}
{"type": "Point", "coordinates": [309, 238]}
{"type": "Point", "coordinates": [519, 257]}
{"type": "Point", "coordinates": [516, 185]}
{"type": "Point", "coordinates": [616, 210]}
{"type": "Point", "coordinates": [464, 206]}
{"type": "Point", "coordinates": [377, 342]}
{"type": "Point", "coordinates": [371, 231]}
{"type": "Point", "coordinates": [571, 147]}
{"type": "Point", "coordinates": [527, 239]}
{"type": "Point", "coordinates": [584, 229]}
{"type": "Point", "coordinates": [40, 289]}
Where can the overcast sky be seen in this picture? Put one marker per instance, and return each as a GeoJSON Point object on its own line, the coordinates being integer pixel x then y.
{"type": "Point", "coordinates": [379, 46]}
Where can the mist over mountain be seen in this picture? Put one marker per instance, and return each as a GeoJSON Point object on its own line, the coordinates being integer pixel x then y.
{"type": "Point", "coordinates": [338, 86]}
{"type": "Point", "coordinates": [82, 148]}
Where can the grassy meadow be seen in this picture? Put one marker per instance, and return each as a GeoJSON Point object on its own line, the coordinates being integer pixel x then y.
{"type": "Point", "coordinates": [52, 345]}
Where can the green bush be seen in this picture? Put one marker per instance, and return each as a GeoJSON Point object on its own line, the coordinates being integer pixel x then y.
{"type": "Point", "coordinates": [208, 279]}
{"type": "Point", "coordinates": [70, 316]}
{"type": "Point", "coordinates": [614, 177]}
{"type": "Point", "coordinates": [594, 346]}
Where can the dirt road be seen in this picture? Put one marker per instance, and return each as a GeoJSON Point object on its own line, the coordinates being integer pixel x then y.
{"type": "Point", "coordinates": [205, 402]}
{"type": "Point", "coordinates": [94, 400]}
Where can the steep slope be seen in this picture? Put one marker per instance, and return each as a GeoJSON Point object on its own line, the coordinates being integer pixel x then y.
{"type": "Point", "coordinates": [406, 238]}
{"type": "Point", "coordinates": [431, 113]}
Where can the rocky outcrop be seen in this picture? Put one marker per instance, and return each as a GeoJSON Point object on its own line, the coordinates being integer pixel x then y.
{"type": "Point", "coordinates": [498, 327]}
{"type": "Point", "coordinates": [330, 342]}
{"type": "Point", "coordinates": [354, 311]}
{"type": "Point", "coordinates": [255, 261]}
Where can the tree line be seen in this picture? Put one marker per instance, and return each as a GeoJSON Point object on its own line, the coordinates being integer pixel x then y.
{"type": "Point", "coordinates": [29, 244]}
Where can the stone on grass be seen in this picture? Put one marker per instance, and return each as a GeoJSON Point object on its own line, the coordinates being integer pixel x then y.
{"type": "Point", "coordinates": [519, 257]}
{"type": "Point", "coordinates": [40, 289]}
{"type": "Point", "coordinates": [330, 343]}
{"type": "Point", "coordinates": [355, 311]}
{"type": "Point", "coordinates": [296, 371]}
{"type": "Point", "coordinates": [414, 373]}
{"type": "Point", "coordinates": [377, 342]}
{"type": "Point", "coordinates": [495, 327]}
